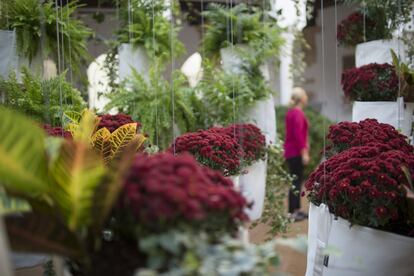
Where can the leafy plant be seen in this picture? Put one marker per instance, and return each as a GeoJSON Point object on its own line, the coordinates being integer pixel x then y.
{"type": "Point", "coordinates": [151, 102]}
{"type": "Point", "coordinates": [36, 23]}
{"type": "Point", "coordinates": [319, 126]}
{"type": "Point", "coordinates": [406, 75]}
{"type": "Point", "coordinates": [62, 187]}
{"type": "Point", "coordinates": [241, 25]}
{"type": "Point", "coordinates": [144, 24]}
{"type": "Point", "coordinates": [43, 100]}
{"type": "Point", "coordinates": [226, 97]}
{"type": "Point", "coordinates": [278, 184]}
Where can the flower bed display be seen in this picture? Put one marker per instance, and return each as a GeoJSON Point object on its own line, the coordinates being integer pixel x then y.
{"type": "Point", "coordinates": [112, 122]}
{"type": "Point", "coordinates": [212, 148]}
{"type": "Point", "coordinates": [345, 135]}
{"type": "Point", "coordinates": [56, 131]}
{"type": "Point", "coordinates": [350, 31]}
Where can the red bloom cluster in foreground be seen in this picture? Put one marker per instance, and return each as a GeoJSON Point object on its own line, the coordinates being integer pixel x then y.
{"type": "Point", "coordinates": [372, 82]}
{"type": "Point", "coordinates": [364, 185]}
{"type": "Point", "coordinates": [213, 148]}
{"type": "Point", "coordinates": [350, 31]}
{"type": "Point", "coordinates": [163, 189]}
{"type": "Point", "coordinates": [250, 138]}
{"type": "Point", "coordinates": [345, 135]}
{"type": "Point", "coordinates": [56, 131]}
{"type": "Point", "coordinates": [112, 122]}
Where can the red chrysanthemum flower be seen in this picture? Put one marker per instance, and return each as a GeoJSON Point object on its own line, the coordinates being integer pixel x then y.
{"type": "Point", "coordinates": [112, 122]}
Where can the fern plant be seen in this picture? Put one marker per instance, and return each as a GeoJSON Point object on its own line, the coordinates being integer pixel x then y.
{"type": "Point", "coordinates": [227, 97]}
{"type": "Point", "coordinates": [36, 22]}
{"type": "Point", "coordinates": [144, 24]}
{"type": "Point", "coordinates": [43, 100]}
{"type": "Point", "coordinates": [241, 25]}
{"type": "Point", "coordinates": [151, 102]}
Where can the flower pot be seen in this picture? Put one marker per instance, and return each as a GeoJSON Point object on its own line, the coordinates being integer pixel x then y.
{"type": "Point", "coordinates": [236, 181]}
{"type": "Point", "coordinates": [8, 55]}
{"type": "Point", "coordinates": [5, 267]}
{"type": "Point", "coordinates": [131, 58]}
{"type": "Point", "coordinates": [378, 51]}
{"type": "Point", "coordinates": [263, 115]}
{"type": "Point", "coordinates": [367, 251]}
{"type": "Point", "coordinates": [252, 186]}
{"type": "Point", "coordinates": [397, 114]}
{"type": "Point", "coordinates": [320, 222]}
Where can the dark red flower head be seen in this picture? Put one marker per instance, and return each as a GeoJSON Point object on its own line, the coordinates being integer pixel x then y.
{"type": "Point", "coordinates": [112, 122]}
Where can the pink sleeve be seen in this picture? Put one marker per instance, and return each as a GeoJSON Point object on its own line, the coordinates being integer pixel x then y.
{"type": "Point", "coordinates": [300, 130]}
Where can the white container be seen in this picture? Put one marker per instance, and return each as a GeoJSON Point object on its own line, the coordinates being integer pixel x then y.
{"type": "Point", "coordinates": [320, 222]}
{"type": "Point", "coordinates": [132, 58]}
{"type": "Point", "coordinates": [236, 182]}
{"type": "Point", "coordinates": [397, 114]}
{"type": "Point", "coordinates": [263, 115]}
{"type": "Point", "coordinates": [253, 186]}
{"type": "Point", "coordinates": [5, 267]}
{"type": "Point", "coordinates": [8, 53]}
{"type": "Point", "coordinates": [364, 251]}
{"type": "Point", "coordinates": [378, 51]}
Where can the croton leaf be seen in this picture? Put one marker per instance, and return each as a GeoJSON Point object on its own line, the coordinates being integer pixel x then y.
{"type": "Point", "coordinates": [78, 171]}
{"type": "Point", "coordinates": [99, 137]}
{"type": "Point", "coordinates": [23, 161]}
{"type": "Point", "coordinates": [38, 233]}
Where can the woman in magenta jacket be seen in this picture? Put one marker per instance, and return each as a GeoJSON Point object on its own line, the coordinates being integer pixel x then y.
{"type": "Point", "coordinates": [297, 147]}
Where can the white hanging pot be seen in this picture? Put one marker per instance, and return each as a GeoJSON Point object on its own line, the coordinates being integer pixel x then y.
{"type": "Point", "coordinates": [366, 251]}
{"type": "Point", "coordinates": [130, 58]}
{"type": "Point", "coordinates": [378, 51]}
{"type": "Point", "coordinates": [236, 181]}
{"type": "Point", "coordinates": [8, 55]}
{"type": "Point", "coordinates": [398, 114]}
{"type": "Point", "coordinates": [263, 115]}
{"type": "Point", "coordinates": [319, 227]}
{"type": "Point", "coordinates": [253, 186]}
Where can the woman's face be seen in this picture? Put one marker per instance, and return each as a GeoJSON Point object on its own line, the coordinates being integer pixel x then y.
{"type": "Point", "coordinates": [304, 100]}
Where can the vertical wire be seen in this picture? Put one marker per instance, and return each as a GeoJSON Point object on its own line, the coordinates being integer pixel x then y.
{"type": "Point", "coordinates": [232, 73]}
{"type": "Point", "coordinates": [59, 64]}
{"type": "Point", "coordinates": [129, 19]}
{"type": "Point", "coordinates": [400, 114]}
{"type": "Point", "coordinates": [337, 61]}
{"type": "Point", "coordinates": [364, 20]}
{"type": "Point", "coordinates": [69, 46]}
{"type": "Point", "coordinates": [155, 68]}
{"type": "Point", "coordinates": [172, 72]}
{"type": "Point", "coordinates": [62, 35]}
{"type": "Point", "coordinates": [323, 82]}
{"type": "Point", "coordinates": [202, 30]}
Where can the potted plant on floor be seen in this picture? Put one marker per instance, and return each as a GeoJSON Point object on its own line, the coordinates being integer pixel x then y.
{"type": "Point", "coordinates": [376, 92]}
{"type": "Point", "coordinates": [360, 204]}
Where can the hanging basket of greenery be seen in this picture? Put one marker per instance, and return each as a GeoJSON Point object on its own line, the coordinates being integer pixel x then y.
{"type": "Point", "coordinates": [38, 25]}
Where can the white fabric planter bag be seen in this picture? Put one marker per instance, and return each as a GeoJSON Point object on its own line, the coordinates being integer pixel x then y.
{"type": "Point", "coordinates": [8, 54]}
{"type": "Point", "coordinates": [253, 187]}
{"type": "Point", "coordinates": [378, 51]}
{"type": "Point", "coordinates": [132, 58]}
{"type": "Point", "coordinates": [263, 115]}
{"type": "Point", "coordinates": [320, 222]}
{"type": "Point", "coordinates": [397, 114]}
{"type": "Point", "coordinates": [364, 251]}
{"type": "Point", "coordinates": [236, 182]}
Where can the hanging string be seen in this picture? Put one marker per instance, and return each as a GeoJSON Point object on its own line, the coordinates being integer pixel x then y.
{"type": "Point", "coordinates": [232, 73]}
{"type": "Point", "coordinates": [323, 82]}
{"type": "Point", "coordinates": [69, 46]}
{"type": "Point", "coordinates": [155, 67]}
{"type": "Point", "coordinates": [59, 69]}
{"type": "Point", "coordinates": [62, 31]}
{"type": "Point", "coordinates": [172, 72]}
{"type": "Point", "coordinates": [364, 19]}
{"type": "Point", "coordinates": [337, 90]}
{"type": "Point", "coordinates": [202, 30]}
{"type": "Point", "coordinates": [400, 112]}
{"type": "Point", "coordinates": [129, 19]}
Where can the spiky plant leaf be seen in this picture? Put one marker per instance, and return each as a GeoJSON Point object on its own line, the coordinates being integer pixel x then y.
{"type": "Point", "coordinates": [118, 140]}
{"type": "Point", "coordinates": [78, 171]}
{"type": "Point", "coordinates": [23, 162]}
{"type": "Point", "coordinates": [38, 233]}
{"type": "Point", "coordinates": [99, 138]}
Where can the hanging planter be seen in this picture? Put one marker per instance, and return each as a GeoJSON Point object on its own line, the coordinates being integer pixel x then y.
{"type": "Point", "coordinates": [132, 58]}
{"type": "Point", "coordinates": [8, 56]}
{"type": "Point", "coordinates": [378, 51]}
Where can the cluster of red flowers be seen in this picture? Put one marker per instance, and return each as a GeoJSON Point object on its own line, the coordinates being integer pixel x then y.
{"type": "Point", "coordinates": [56, 131]}
{"type": "Point", "coordinates": [345, 135]}
{"type": "Point", "coordinates": [162, 190]}
{"type": "Point", "coordinates": [364, 185]}
{"type": "Point", "coordinates": [212, 148]}
{"type": "Point", "coordinates": [350, 31]}
{"type": "Point", "coordinates": [112, 122]}
{"type": "Point", "coordinates": [372, 82]}
{"type": "Point", "coordinates": [250, 138]}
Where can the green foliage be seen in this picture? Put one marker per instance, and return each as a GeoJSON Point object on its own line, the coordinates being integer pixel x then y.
{"type": "Point", "coordinates": [151, 103]}
{"type": "Point", "coordinates": [43, 100]}
{"type": "Point", "coordinates": [298, 66]}
{"type": "Point", "coordinates": [184, 253]}
{"type": "Point", "coordinates": [35, 24]}
{"type": "Point", "coordinates": [318, 128]}
{"type": "Point", "coordinates": [144, 24]}
{"type": "Point", "coordinates": [60, 185]}
{"type": "Point", "coordinates": [278, 184]}
{"type": "Point", "coordinates": [218, 89]}
{"type": "Point", "coordinates": [391, 13]}
{"type": "Point", "coordinates": [241, 25]}
{"type": "Point", "coordinates": [407, 78]}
